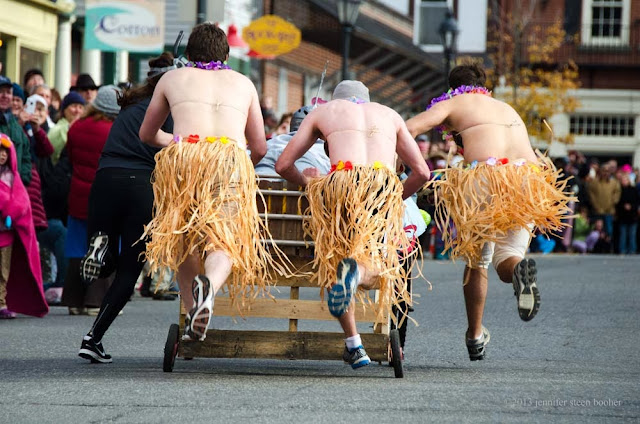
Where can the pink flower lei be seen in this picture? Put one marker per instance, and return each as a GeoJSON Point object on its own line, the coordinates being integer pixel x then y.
{"type": "Point", "coordinates": [214, 65]}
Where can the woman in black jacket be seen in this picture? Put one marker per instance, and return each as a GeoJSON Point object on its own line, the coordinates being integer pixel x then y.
{"type": "Point", "coordinates": [120, 204]}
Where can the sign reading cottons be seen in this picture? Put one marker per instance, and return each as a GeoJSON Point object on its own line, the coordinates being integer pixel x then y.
{"type": "Point", "coordinates": [271, 35]}
{"type": "Point", "coordinates": [133, 25]}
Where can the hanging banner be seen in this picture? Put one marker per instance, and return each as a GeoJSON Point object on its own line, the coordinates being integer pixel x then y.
{"type": "Point", "coordinates": [271, 35]}
{"type": "Point", "coordinates": [132, 25]}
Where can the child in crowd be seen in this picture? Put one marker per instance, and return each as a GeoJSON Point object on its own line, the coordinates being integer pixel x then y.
{"type": "Point", "coordinates": [6, 234]}
{"type": "Point", "coordinates": [20, 289]}
{"type": "Point", "coordinates": [581, 230]}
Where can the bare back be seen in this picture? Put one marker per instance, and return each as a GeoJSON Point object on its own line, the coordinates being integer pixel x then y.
{"type": "Point", "coordinates": [360, 133]}
{"type": "Point", "coordinates": [210, 103]}
{"type": "Point", "coordinates": [488, 127]}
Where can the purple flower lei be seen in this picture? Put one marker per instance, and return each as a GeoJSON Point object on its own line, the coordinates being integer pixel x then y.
{"type": "Point", "coordinates": [463, 89]}
{"type": "Point", "coordinates": [214, 65]}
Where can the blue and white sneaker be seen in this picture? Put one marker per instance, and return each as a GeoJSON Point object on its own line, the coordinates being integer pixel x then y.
{"type": "Point", "coordinates": [356, 357]}
{"type": "Point", "coordinates": [342, 292]}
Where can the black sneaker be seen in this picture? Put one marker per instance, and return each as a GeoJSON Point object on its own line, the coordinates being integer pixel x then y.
{"type": "Point", "coordinates": [356, 357]}
{"type": "Point", "coordinates": [525, 289]}
{"type": "Point", "coordinates": [476, 346]}
{"type": "Point", "coordinates": [93, 261]}
{"type": "Point", "coordinates": [93, 351]}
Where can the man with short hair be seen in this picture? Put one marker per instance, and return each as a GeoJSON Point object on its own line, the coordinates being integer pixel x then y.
{"type": "Point", "coordinates": [32, 77]}
{"type": "Point", "coordinates": [493, 198]}
{"type": "Point", "coordinates": [9, 125]}
{"type": "Point", "coordinates": [204, 181]}
{"type": "Point", "coordinates": [357, 210]}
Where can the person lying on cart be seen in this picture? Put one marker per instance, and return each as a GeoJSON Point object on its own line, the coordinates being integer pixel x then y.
{"type": "Point", "coordinates": [357, 209]}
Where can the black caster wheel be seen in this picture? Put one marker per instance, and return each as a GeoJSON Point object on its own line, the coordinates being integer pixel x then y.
{"type": "Point", "coordinates": [171, 348]}
{"type": "Point", "coordinates": [396, 353]}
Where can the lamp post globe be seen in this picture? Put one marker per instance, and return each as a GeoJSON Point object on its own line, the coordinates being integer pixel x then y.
{"type": "Point", "coordinates": [347, 15]}
{"type": "Point", "coordinates": [448, 31]}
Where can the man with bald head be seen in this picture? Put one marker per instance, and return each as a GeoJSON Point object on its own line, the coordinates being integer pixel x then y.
{"type": "Point", "coordinates": [357, 209]}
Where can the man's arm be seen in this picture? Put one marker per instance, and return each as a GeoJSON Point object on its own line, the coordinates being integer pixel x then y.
{"type": "Point", "coordinates": [298, 146]}
{"type": "Point", "coordinates": [409, 152]}
{"type": "Point", "coordinates": [428, 119]}
{"type": "Point", "coordinates": [157, 112]}
{"type": "Point", "coordinates": [254, 130]}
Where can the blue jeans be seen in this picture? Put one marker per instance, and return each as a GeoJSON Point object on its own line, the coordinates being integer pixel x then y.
{"type": "Point", "coordinates": [627, 234]}
{"type": "Point", "coordinates": [53, 238]}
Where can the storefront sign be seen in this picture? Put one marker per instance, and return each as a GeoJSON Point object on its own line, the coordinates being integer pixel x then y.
{"type": "Point", "coordinates": [133, 25]}
{"type": "Point", "coordinates": [271, 35]}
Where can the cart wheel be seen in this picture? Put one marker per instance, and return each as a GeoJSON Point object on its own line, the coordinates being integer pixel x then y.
{"type": "Point", "coordinates": [171, 348]}
{"type": "Point", "coordinates": [396, 353]}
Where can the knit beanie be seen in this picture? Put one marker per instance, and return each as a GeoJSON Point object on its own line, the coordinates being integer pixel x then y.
{"type": "Point", "coordinates": [18, 92]}
{"type": "Point", "coordinates": [107, 101]}
{"type": "Point", "coordinates": [71, 99]}
{"type": "Point", "coordinates": [348, 88]}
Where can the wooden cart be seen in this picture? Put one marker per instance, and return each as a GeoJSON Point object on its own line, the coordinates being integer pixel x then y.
{"type": "Point", "coordinates": [285, 224]}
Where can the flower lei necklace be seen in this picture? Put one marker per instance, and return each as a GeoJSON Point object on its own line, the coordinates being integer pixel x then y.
{"type": "Point", "coordinates": [214, 65]}
{"type": "Point", "coordinates": [463, 89]}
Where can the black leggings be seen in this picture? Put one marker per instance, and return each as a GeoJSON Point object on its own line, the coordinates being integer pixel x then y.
{"type": "Point", "coordinates": [120, 204]}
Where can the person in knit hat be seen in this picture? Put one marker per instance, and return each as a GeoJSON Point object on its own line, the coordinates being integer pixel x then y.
{"type": "Point", "coordinates": [72, 108]}
{"type": "Point", "coordinates": [106, 100]}
{"type": "Point", "coordinates": [357, 210]}
{"type": "Point", "coordinates": [85, 141]}
{"type": "Point", "coordinates": [18, 100]}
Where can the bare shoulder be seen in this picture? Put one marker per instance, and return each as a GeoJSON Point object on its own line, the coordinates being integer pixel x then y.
{"type": "Point", "coordinates": [242, 79]}
{"type": "Point", "coordinates": [386, 111]}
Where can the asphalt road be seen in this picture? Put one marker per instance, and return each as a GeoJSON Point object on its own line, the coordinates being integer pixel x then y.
{"type": "Point", "coordinates": [577, 361]}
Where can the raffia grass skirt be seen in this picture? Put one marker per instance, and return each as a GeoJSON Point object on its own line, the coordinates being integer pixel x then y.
{"type": "Point", "coordinates": [358, 214]}
{"type": "Point", "coordinates": [205, 200]}
{"type": "Point", "coordinates": [479, 205]}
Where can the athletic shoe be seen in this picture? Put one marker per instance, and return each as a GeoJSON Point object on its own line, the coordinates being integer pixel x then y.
{"type": "Point", "coordinates": [356, 357]}
{"type": "Point", "coordinates": [93, 351]}
{"type": "Point", "coordinates": [342, 292]}
{"type": "Point", "coordinates": [525, 289]}
{"type": "Point", "coordinates": [200, 316]}
{"type": "Point", "coordinates": [476, 346]}
{"type": "Point", "coordinates": [93, 261]}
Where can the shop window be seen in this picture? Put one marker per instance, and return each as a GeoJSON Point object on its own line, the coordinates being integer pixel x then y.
{"type": "Point", "coordinates": [32, 59]}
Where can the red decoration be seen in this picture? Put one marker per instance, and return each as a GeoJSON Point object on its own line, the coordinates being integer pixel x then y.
{"type": "Point", "coordinates": [503, 161]}
{"type": "Point", "coordinates": [193, 138]}
{"type": "Point", "coordinates": [254, 54]}
{"type": "Point", "coordinates": [348, 166]}
{"type": "Point", "coordinates": [234, 39]}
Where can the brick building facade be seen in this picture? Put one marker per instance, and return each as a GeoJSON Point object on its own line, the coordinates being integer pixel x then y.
{"type": "Point", "coordinates": [603, 39]}
{"type": "Point", "coordinates": [383, 56]}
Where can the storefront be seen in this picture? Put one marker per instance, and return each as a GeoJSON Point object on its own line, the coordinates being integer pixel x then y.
{"type": "Point", "coordinates": [29, 30]}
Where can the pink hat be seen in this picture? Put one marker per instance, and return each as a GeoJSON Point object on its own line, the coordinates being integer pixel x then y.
{"type": "Point", "coordinates": [626, 168]}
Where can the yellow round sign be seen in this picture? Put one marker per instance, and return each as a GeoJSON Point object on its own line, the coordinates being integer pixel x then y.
{"type": "Point", "coordinates": [270, 35]}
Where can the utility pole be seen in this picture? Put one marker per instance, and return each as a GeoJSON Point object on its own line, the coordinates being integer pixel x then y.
{"type": "Point", "coordinates": [201, 15]}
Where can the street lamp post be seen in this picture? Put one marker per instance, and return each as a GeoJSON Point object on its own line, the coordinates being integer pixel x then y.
{"type": "Point", "coordinates": [347, 15]}
{"type": "Point", "coordinates": [448, 35]}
